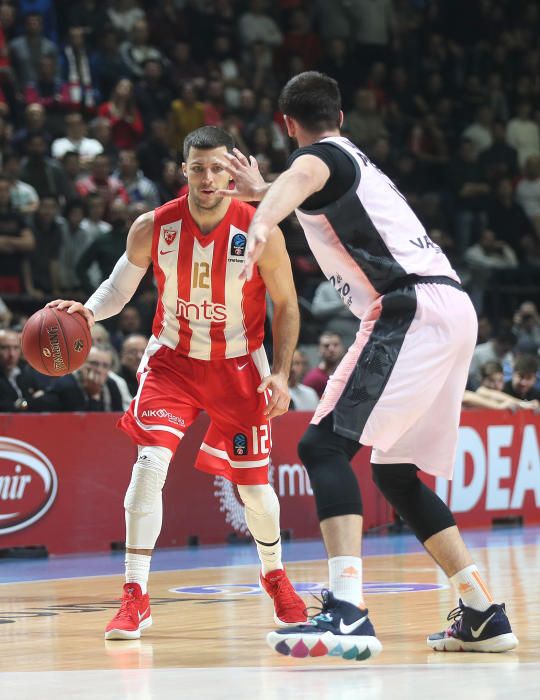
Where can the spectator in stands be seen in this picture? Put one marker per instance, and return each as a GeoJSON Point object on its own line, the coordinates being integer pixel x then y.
{"type": "Point", "coordinates": [106, 249]}
{"type": "Point", "coordinates": [16, 243]}
{"type": "Point", "coordinates": [152, 93]}
{"type": "Point", "coordinates": [76, 71]}
{"type": "Point", "coordinates": [480, 131]}
{"type": "Point", "coordinates": [34, 124]}
{"type": "Point", "coordinates": [88, 389]}
{"type": "Point", "coordinates": [124, 116]}
{"type": "Point", "coordinates": [186, 115]}
{"type": "Point", "coordinates": [301, 40]}
{"type": "Point", "coordinates": [328, 307]}
{"type": "Point", "coordinates": [91, 15]}
{"type": "Point", "coordinates": [491, 394]}
{"type": "Point", "coordinates": [528, 191]}
{"type": "Point", "coordinates": [124, 15]}
{"type": "Point", "coordinates": [106, 63]}
{"type": "Point", "coordinates": [43, 173]}
{"type": "Point", "coordinates": [76, 140]}
{"type": "Point", "coordinates": [18, 384]}
{"type": "Point", "coordinates": [490, 254]}
{"type": "Point", "coordinates": [331, 350]}
{"type": "Point", "coordinates": [51, 92]}
{"type": "Point", "coordinates": [496, 349]}
{"type": "Point", "coordinates": [26, 50]}
{"type": "Point", "coordinates": [255, 25]}
{"type": "Point", "coordinates": [303, 398]}
{"type": "Point", "coordinates": [5, 314]}
{"type": "Point", "coordinates": [506, 217]}
{"type": "Point", "coordinates": [363, 124]}
{"type": "Point", "coordinates": [102, 181]}
{"type": "Point", "coordinates": [527, 324]}
{"type": "Point", "coordinates": [171, 182]}
{"type": "Point", "coordinates": [373, 29]}
{"type": "Point", "coordinates": [155, 150]}
{"type": "Point", "coordinates": [498, 160]}
{"type": "Point", "coordinates": [137, 51]}
{"type": "Point", "coordinates": [138, 187]}
{"type": "Point", "coordinates": [75, 240]}
{"type": "Point", "coordinates": [470, 195]}
{"type": "Point", "coordinates": [523, 134]}
{"type": "Point", "coordinates": [523, 379]}
{"type": "Point", "coordinates": [24, 197]}
{"type": "Point", "coordinates": [101, 130]}
{"type": "Point", "coordinates": [129, 323]}
{"type": "Point", "coordinates": [45, 258]}
{"type": "Point", "coordinates": [131, 354]}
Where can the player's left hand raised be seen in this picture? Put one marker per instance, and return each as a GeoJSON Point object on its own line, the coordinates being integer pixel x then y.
{"type": "Point", "coordinates": [249, 184]}
{"type": "Point", "coordinates": [280, 399]}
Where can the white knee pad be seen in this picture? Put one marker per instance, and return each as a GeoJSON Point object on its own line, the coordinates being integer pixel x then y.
{"type": "Point", "coordinates": [260, 499]}
{"type": "Point", "coordinates": [147, 479]}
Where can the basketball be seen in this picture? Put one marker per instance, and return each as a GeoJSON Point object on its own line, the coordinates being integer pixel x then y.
{"type": "Point", "coordinates": [55, 342]}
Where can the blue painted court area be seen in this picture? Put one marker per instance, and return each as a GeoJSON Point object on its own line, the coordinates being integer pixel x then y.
{"type": "Point", "coordinates": [103, 564]}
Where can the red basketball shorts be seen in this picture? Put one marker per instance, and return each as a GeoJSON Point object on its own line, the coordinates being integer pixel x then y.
{"type": "Point", "coordinates": [174, 389]}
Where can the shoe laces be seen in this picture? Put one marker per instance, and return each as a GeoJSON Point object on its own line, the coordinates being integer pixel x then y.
{"type": "Point", "coordinates": [455, 616]}
{"type": "Point", "coordinates": [284, 589]}
{"type": "Point", "coordinates": [323, 609]}
{"type": "Point", "coordinates": [127, 603]}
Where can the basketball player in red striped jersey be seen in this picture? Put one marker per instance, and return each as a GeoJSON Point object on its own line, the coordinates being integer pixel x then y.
{"type": "Point", "coordinates": [206, 353]}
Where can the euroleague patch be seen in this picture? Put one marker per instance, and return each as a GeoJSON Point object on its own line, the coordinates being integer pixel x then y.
{"type": "Point", "coordinates": [238, 245]}
{"type": "Point", "coordinates": [240, 444]}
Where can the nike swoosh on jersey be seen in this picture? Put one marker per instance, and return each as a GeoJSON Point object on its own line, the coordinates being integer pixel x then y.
{"type": "Point", "coordinates": [476, 633]}
{"type": "Point", "coordinates": [347, 629]}
{"type": "Point", "coordinates": [240, 367]}
{"type": "Point", "coordinates": [165, 252]}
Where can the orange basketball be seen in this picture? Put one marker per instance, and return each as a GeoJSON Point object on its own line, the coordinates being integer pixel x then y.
{"type": "Point", "coordinates": [55, 342]}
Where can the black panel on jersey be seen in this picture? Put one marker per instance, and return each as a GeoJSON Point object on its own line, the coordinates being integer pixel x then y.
{"type": "Point", "coordinates": [342, 174]}
{"type": "Point", "coordinates": [375, 364]}
{"type": "Point", "coordinates": [351, 221]}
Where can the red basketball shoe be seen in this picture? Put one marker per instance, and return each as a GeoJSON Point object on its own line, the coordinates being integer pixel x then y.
{"type": "Point", "coordinates": [289, 608]}
{"type": "Point", "coordinates": [134, 614]}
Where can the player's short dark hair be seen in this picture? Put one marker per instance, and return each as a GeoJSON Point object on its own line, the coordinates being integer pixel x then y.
{"type": "Point", "coordinates": [206, 138]}
{"type": "Point", "coordinates": [313, 99]}
{"type": "Point", "coordinates": [526, 364]}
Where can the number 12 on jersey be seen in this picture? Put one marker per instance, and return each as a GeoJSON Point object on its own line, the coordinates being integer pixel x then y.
{"type": "Point", "coordinates": [260, 439]}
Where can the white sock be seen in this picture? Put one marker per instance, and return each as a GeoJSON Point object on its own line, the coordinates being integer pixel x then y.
{"type": "Point", "coordinates": [471, 588]}
{"type": "Point", "coordinates": [138, 569]}
{"type": "Point", "coordinates": [345, 579]}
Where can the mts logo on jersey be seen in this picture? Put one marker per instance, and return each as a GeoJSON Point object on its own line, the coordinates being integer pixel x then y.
{"type": "Point", "coordinates": [206, 311]}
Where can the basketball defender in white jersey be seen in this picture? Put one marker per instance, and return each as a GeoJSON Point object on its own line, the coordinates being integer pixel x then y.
{"type": "Point", "coordinates": [399, 387]}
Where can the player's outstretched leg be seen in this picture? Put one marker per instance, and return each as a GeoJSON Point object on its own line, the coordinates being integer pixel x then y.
{"type": "Point", "coordinates": [262, 518]}
{"type": "Point", "coordinates": [478, 623]}
{"type": "Point", "coordinates": [143, 524]}
{"type": "Point", "coordinates": [342, 627]}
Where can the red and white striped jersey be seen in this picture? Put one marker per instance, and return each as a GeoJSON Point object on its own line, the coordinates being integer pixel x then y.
{"type": "Point", "coordinates": [204, 310]}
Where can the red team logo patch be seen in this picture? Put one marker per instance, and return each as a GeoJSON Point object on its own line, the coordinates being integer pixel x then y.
{"type": "Point", "coordinates": [169, 234]}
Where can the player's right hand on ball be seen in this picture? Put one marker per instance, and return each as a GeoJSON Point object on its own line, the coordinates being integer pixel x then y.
{"type": "Point", "coordinates": [71, 307]}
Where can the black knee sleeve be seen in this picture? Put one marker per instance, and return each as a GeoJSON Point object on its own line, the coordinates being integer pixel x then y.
{"type": "Point", "coordinates": [326, 457]}
{"type": "Point", "coordinates": [417, 504]}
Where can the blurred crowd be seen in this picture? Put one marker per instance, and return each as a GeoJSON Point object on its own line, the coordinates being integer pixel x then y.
{"type": "Point", "coordinates": [96, 97]}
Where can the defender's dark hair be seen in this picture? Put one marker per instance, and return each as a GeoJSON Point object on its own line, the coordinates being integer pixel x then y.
{"type": "Point", "coordinates": [206, 138]}
{"type": "Point", "coordinates": [313, 99]}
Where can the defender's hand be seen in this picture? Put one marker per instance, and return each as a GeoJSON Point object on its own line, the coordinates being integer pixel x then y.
{"type": "Point", "coordinates": [249, 185]}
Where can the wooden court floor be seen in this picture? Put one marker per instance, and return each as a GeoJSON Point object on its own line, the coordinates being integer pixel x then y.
{"type": "Point", "coordinates": [208, 636]}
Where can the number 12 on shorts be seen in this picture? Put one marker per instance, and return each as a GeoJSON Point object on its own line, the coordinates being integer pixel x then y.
{"type": "Point", "coordinates": [260, 439]}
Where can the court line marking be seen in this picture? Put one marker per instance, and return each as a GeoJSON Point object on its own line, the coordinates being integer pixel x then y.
{"type": "Point", "coordinates": [239, 566]}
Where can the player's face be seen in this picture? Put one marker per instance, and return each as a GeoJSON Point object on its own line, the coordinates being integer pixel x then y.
{"type": "Point", "coordinates": [10, 350]}
{"type": "Point", "coordinates": [205, 175]}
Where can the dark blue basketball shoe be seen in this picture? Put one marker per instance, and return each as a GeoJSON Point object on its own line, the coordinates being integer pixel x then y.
{"type": "Point", "coordinates": [475, 630]}
{"type": "Point", "coordinates": [340, 629]}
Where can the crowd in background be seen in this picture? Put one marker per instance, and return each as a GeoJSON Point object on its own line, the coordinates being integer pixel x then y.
{"type": "Point", "coordinates": [96, 97]}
